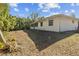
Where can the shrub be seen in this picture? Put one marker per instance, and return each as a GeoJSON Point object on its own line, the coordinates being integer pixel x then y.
{"type": "Point", "coordinates": [11, 46]}
{"type": "Point", "coordinates": [1, 45]}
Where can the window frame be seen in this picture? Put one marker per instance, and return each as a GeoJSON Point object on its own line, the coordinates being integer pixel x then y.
{"type": "Point", "coordinates": [41, 24]}
{"type": "Point", "coordinates": [50, 22]}
{"type": "Point", "coordinates": [73, 21]}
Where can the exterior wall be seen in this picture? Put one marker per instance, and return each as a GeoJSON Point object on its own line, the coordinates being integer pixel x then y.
{"type": "Point", "coordinates": [59, 24]}
{"type": "Point", "coordinates": [66, 24]}
{"type": "Point", "coordinates": [46, 26]}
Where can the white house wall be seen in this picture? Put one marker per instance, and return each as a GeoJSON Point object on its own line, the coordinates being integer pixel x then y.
{"type": "Point", "coordinates": [66, 24]}
{"type": "Point", "coordinates": [49, 28]}
{"type": "Point", "coordinates": [59, 24]}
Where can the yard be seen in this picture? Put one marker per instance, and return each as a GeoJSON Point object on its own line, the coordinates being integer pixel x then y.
{"type": "Point", "coordinates": [45, 43]}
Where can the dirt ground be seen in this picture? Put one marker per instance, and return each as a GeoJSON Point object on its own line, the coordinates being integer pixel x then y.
{"type": "Point", "coordinates": [44, 43]}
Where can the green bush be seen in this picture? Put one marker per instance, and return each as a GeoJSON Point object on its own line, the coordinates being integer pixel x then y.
{"type": "Point", "coordinates": [8, 22]}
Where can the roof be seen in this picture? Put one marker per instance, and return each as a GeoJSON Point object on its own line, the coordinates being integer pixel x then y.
{"type": "Point", "coordinates": [54, 16]}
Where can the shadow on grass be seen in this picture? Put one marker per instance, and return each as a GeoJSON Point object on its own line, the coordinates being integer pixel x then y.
{"type": "Point", "coordinates": [43, 39]}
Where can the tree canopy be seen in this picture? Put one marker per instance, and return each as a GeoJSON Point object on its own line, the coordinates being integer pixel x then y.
{"type": "Point", "coordinates": [8, 22]}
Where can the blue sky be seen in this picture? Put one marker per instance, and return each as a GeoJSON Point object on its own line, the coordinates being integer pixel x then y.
{"type": "Point", "coordinates": [44, 9]}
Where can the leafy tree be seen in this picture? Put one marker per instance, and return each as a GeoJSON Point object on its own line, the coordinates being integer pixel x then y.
{"type": "Point", "coordinates": [12, 20]}
{"type": "Point", "coordinates": [2, 6]}
{"type": "Point", "coordinates": [1, 25]}
{"type": "Point", "coordinates": [8, 22]}
{"type": "Point", "coordinates": [6, 25]}
{"type": "Point", "coordinates": [22, 23]}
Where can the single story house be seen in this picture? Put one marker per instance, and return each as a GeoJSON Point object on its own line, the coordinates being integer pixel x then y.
{"type": "Point", "coordinates": [56, 23]}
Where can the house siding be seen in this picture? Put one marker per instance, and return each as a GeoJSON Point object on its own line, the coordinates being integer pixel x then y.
{"type": "Point", "coordinates": [66, 24]}
{"type": "Point", "coordinates": [46, 26]}
{"type": "Point", "coordinates": [60, 24]}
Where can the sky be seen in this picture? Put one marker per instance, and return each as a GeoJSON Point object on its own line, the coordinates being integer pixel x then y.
{"type": "Point", "coordinates": [44, 9]}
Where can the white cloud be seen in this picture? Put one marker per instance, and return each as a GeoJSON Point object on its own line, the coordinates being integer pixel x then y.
{"type": "Point", "coordinates": [72, 4]}
{"type": "Point", "coordinates": [73, 11]}
{"type": "Point", "coordinates": [13, 4]}
{"type": "Point", "coordinates": [56, 13]}
{"type": "Point", "coordinates": [47, 6]}
{"type": "Point", "coordinates": [26, 9]}
{"type": "Point", "coordinates": [45, 10]}
{"type": "Point", "coordinates": [53, 5]}
{"type": "Point", "coordinates": [66, 11]}
{"type": "Point", "coordinates": [69, 12]}
{"type": "Point", "coordinates": [41, 5]}
{"type": "Point", "coordinates": [16, 9]}
{"type": "Point", "coordinates": [53, 13]}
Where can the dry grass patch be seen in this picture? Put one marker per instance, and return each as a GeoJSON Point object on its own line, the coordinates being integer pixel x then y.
{"type": "Point", "coordinates": [35, 42]}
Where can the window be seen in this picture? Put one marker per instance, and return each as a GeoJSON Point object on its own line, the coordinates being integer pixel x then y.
{"type": "Point", "coordinates": [73, 21]}
{"type": "Point", "coordinates": [36, 24]}
{"type": "Point", "coordinates": [41, 23]}
{"type": "Point", "coordinates": [50, 22]}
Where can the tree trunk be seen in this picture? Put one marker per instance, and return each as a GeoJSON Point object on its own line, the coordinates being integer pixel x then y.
{"type": "Point", "coordinates": [2, 37]}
